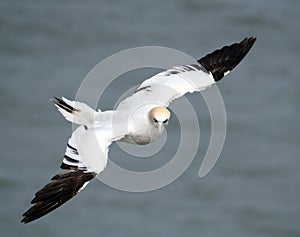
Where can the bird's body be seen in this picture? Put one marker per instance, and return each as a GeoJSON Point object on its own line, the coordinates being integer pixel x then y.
{"type": "Point", "coordinates": [139, 119]}
{"type": "Point", "coordinates": [140, 125]}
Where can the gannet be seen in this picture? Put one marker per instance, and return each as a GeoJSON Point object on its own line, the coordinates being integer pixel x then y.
{"type": "Point", "coordinates": [139, 119]}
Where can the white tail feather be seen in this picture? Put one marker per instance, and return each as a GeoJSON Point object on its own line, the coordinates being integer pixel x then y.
{"type": "Point", "coordinates": [74, 111]}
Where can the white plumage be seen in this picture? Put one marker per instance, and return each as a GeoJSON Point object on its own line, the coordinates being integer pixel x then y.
{"type": "Point", "coordinates": [139, 119]}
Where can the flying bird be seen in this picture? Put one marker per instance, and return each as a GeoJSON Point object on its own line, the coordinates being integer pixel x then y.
{"type": "Point", "coordinates": [139, 119]}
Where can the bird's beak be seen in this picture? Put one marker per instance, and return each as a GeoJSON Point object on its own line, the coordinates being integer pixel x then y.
{"type": "Point", "coordinates": [160, 127]}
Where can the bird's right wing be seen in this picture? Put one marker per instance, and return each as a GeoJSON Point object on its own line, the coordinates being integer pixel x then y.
{"type": "Point", "coordinates": [85, 157]}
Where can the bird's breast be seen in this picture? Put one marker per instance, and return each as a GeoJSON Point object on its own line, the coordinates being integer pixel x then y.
{"type": "Point", "coordinates": [140, 130]}
{"type": "Point", "coordinates": [136, 139]}
{"type": "Point", "coordinates": [142, 135]}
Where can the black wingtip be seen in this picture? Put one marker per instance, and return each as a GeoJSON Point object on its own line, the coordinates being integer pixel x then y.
{"type": "Point", "coordinates": [61, 189]}
{"type": "Point", "coordinates": [227, 58]}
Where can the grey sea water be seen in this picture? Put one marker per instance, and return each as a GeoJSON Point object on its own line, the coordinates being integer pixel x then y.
{"type": "Point", "coordinates": [47, 48]}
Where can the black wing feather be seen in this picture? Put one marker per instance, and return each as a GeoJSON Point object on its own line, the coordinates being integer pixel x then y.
{"type": "Point", "coordinates": [61, 189]}
{"type": "Point", "coordinates": [226, 58]}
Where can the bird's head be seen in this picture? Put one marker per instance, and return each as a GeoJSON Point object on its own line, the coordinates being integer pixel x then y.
{"type": "Point", "coordinates": [159, 117]}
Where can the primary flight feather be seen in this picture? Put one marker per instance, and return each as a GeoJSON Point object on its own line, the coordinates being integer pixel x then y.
{"type": "Point", "coordinates": [139, 119]}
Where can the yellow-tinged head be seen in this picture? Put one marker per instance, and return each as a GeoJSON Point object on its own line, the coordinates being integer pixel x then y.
{"type": "Point", "coordinates": [159, 117]}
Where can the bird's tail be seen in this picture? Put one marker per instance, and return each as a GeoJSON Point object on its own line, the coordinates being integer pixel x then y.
{"type": "Point", "coordinates": [74, 111]}
{"type": "Point", "coordinates": [222, 61]}
{"type": "Point", "coordinates": [61, 189]}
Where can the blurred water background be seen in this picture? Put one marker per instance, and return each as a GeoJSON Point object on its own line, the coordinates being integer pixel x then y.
{"type": "Point", "coordinates": [47, 48]}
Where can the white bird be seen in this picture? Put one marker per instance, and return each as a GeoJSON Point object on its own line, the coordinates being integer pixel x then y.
{"type": "Point", "coordinates": [139, 119]}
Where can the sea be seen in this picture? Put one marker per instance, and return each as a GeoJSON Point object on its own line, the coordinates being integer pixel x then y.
{"type": "Point", "coordinates": [47, 47]}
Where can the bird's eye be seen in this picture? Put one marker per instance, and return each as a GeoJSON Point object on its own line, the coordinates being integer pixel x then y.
{"type": "Point", "coordinates": [155, 120]}
{"type": "Point", "coordinates": [165, 121]}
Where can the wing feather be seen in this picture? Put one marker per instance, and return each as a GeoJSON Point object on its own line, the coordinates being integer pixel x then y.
{"type": "Point", "coordinates": [85, 157]}
{"type": "Point", "coordinates": [175, 82]}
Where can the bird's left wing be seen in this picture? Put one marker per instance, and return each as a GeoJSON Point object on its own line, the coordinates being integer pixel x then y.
{"type": "Point", "coordinates": [85, 157]}
{"type": "Point", "coordinates": [177, 81]}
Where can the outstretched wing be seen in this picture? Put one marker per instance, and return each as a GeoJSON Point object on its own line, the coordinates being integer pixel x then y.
{"type": "Point", "coordinates": [61, 189]}
{"type": "Point", "coordinates": [177, 81]}
{"type": "Point", "coordinates": [85, 157]}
